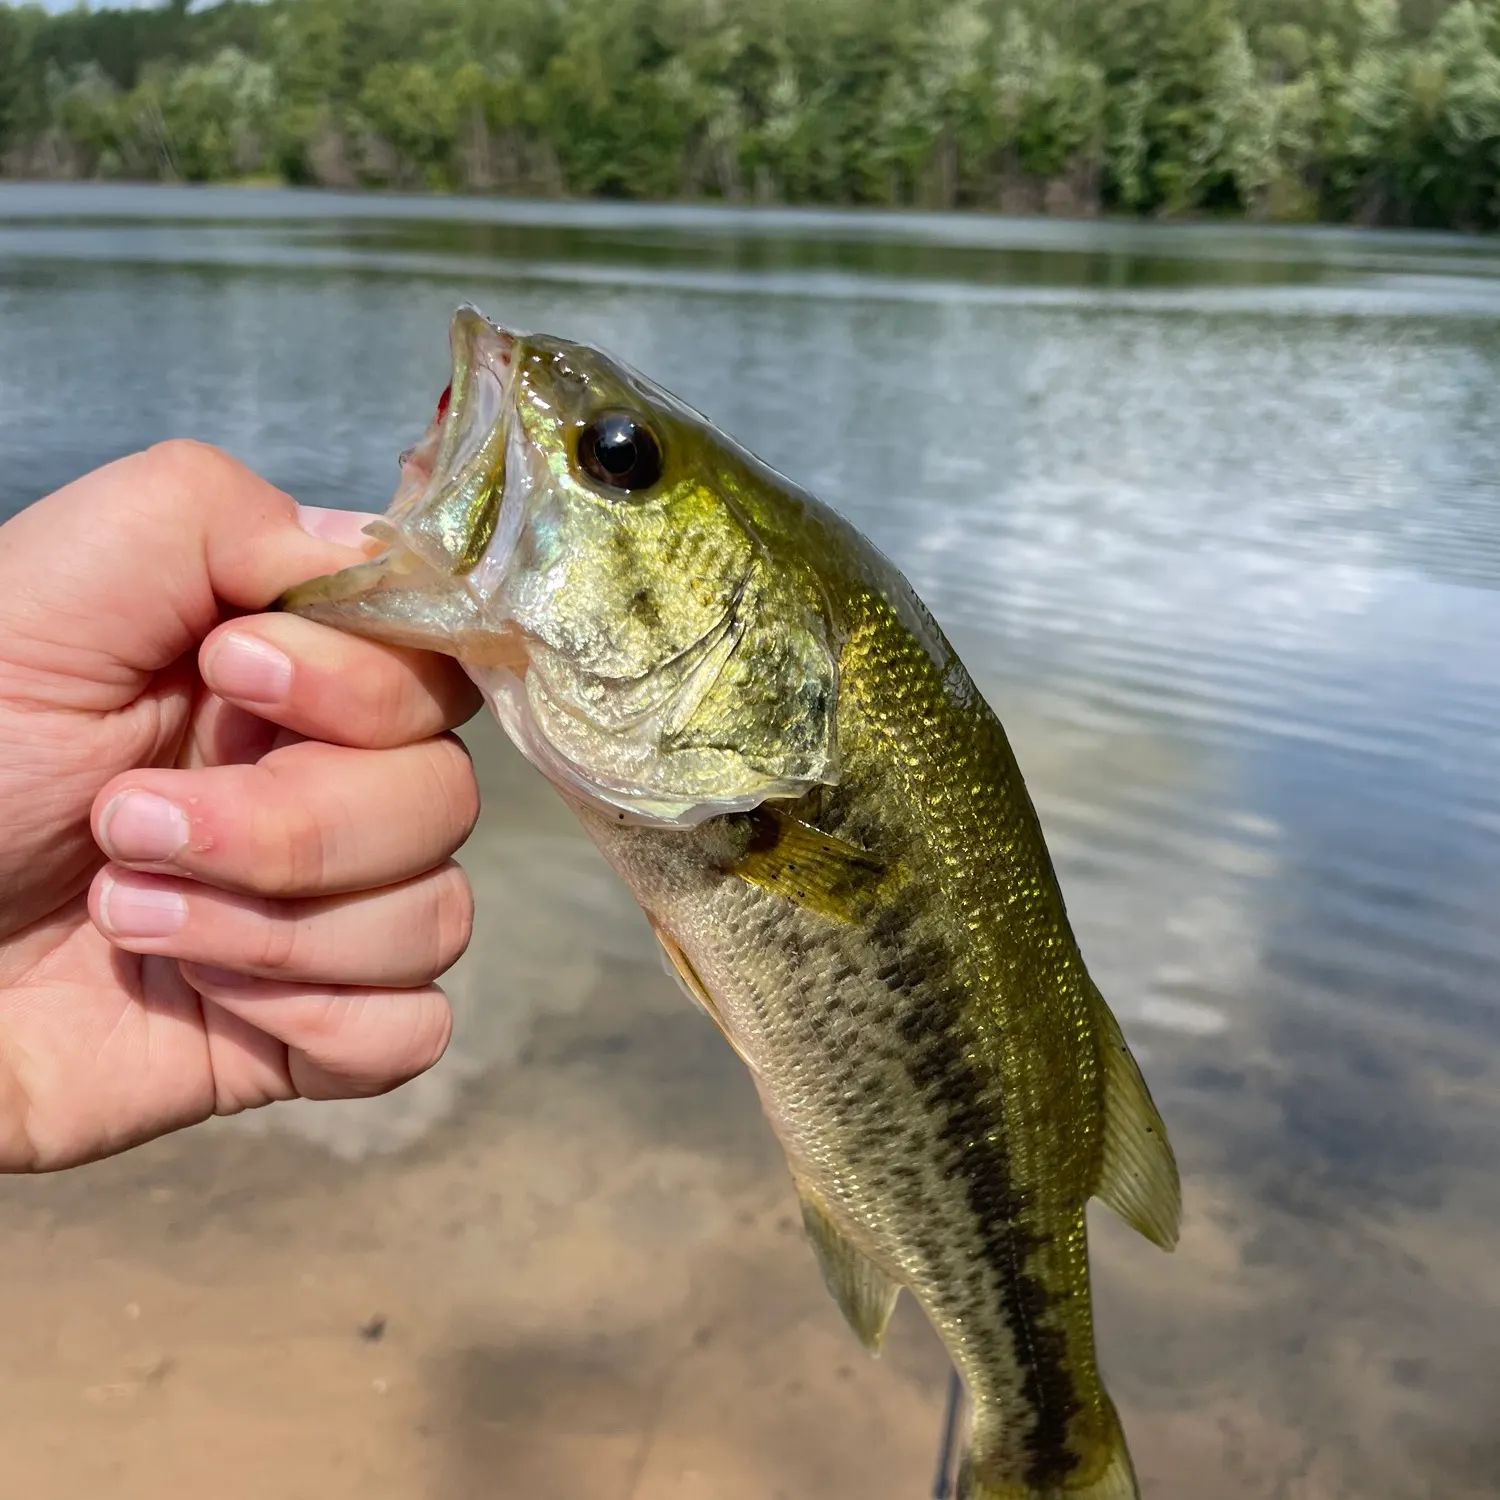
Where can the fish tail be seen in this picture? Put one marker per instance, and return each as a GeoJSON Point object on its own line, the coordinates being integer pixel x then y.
{"type": "Point", "coordinates": [1110, 1476]}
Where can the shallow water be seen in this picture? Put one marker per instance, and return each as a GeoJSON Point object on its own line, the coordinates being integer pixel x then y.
{"type": "Point", "coordinates": [1214, 518]}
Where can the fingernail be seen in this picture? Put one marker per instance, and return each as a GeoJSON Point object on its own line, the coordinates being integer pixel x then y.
{"type": "Point", "coordinates": [142, 828]}
{"type": "Point", "coordinates": [129, 910]}
{"type": "Point", "coordinates": [249, 669]}
{"type": "Point", "coordinates": [346, 527]}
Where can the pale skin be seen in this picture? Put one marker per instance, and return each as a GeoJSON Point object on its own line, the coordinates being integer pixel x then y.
{"type": "Point", "coordinates": [226, 837]}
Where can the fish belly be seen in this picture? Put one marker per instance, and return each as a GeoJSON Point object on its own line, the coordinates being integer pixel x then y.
{"type": "Point", "coordinates": [860, 1043]}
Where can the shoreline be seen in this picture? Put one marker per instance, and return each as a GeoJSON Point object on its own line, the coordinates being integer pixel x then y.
{"type": "Point", "coordinates": [989, 227]}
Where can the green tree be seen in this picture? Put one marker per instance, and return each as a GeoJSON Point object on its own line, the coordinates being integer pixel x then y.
{"type": "Point", "coordinates": [1380, 110]}
{"type": "Point", "coordinates": [1052, 103]}
{"type": "Point", "coordinates": [216, 115]}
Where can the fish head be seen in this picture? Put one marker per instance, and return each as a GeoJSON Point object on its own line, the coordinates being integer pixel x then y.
{"type": "Point", "coordinates": [595, 554]}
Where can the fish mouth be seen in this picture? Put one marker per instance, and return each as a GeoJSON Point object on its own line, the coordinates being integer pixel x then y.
{"type": "Point", "coordinates": [426, 587]}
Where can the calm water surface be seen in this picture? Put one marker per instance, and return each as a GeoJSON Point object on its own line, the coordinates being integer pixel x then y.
{"type": "Point", "coordinates": [1214, 518]}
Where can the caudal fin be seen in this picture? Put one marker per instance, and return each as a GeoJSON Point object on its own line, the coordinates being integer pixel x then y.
{"type": "Point", "coordinates": [1112, 1477]}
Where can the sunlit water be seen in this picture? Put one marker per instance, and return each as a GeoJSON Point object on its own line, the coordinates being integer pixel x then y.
{"type": "Point", "coordinates": [1214, 518]}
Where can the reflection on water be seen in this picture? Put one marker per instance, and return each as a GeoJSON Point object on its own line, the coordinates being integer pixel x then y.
{"type": "Point", "coordinates": [1213, 516]}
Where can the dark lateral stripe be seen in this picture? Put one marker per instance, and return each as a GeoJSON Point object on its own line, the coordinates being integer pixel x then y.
{"type": "Point", "coordinates": [919, 971]}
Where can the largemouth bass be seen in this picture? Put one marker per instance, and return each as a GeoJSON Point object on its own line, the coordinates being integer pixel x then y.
{"type": "Point", "coordinates": [769, 738]}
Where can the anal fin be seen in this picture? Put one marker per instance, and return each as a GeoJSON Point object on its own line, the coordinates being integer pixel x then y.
{"type": "Point", "coordinates": [1138, 1178]}
{"type": "Point", "coordinates": [865, 1294]}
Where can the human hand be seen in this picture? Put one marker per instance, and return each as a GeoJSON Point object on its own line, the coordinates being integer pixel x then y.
{"type": "Point", "coordinates": [279, 804]}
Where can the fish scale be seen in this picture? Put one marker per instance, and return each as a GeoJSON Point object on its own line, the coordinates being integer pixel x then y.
{"type": "Point", "coordinates": [843, 1066]}
{"type": "Point", "coordinates": [768, 737]}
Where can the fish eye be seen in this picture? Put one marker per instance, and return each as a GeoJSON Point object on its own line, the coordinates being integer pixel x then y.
{"type": "Point", "coordinates": [620, 453]}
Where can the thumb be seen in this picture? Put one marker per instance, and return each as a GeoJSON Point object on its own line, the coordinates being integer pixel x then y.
{"type": "Point", "coordinates": [127, 569]}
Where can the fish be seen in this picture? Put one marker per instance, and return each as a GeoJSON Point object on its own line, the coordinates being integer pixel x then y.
{"type": "Point", "coordinates": [767, 735]}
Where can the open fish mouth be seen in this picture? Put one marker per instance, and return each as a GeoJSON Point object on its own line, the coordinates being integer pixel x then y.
{"type": "Point", "coordinates": [421, 588]}
{"type": "Point", "coordinates": [453, 480]}
{"type": "Point", "coordinates": [555, 531]}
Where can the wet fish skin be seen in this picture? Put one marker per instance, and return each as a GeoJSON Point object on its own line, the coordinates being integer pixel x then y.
{"type": "Point", "coordinates": [827, 829]}
{"type": "Point", "coordinates": [933, 1067]}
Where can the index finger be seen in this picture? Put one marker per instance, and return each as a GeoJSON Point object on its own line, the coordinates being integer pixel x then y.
{"type": "Point", "coordinates": [330, 686]}
{"type": "Point", "coordinates": [123, 571]}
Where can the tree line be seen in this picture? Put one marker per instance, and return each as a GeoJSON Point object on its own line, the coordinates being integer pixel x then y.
{"type": "Point", "coordinates": [1372, 111]}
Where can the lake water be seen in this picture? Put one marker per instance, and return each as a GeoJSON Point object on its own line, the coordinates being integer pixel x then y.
{"type": "Point", "coordinates": [1213, 515]}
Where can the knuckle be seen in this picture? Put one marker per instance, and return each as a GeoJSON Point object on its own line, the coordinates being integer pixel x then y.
{"type": "Point", "coordinates": [391, 712]}
{"type": "Point", "coordinates": [389, 704]}
{"type": "Point", "coordinates": [452, 918]}
{"type": "Point", "coordinates": [375, 711]}
{"type": "Point", "coordinates": [371, 703]}
{"type": "Point", "coordinates": [297, 861]}
{"type": "Point", "coordinates": [276, 944]}
{"type": "Point", "coordinates": [325, 1019]}
{"type": "Point", "coordinates": [431, 1033]}
{"type": "Point", "coordinates": [288, 840]}
{"type": "Point", "coordinates": [457, 786]}
{"type": "Point", "coordinates": [414, 1042]}
{"type": "Point", "coordinates": [188, 465]}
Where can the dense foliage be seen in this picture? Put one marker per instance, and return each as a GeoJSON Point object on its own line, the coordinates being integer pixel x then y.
{"type": "Point", "coordinates": [1371, 110]}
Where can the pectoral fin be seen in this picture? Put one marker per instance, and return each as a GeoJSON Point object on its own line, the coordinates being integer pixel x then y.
{"type": "Point", "coordinates": [865, 1294]}
{"type": "Point", "coordinates": [809, 867]}
{"type": "Point", "coordinates": [1139, 1175]}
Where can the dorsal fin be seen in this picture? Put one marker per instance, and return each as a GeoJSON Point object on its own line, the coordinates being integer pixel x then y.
{"type": "Point", "coordinates": [1138, 1178]}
